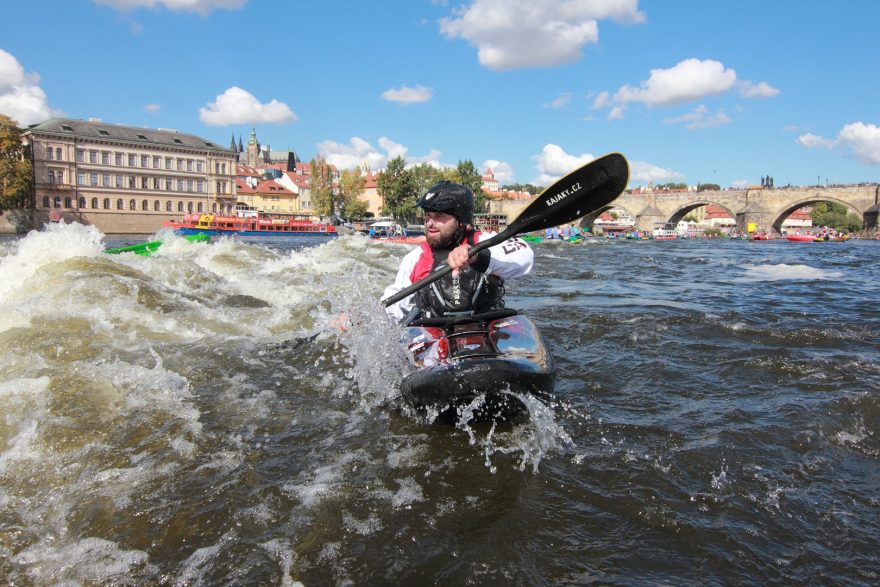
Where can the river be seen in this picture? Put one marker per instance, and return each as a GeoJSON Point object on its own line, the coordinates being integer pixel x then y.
{"type": "Point", "coordinates": [191, 418]}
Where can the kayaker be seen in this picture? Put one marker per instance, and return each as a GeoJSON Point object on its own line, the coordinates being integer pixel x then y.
{"type": "Point", "coordinates": [476, 284]}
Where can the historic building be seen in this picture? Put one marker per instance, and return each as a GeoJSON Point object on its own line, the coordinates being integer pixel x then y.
{"type": "Point", "coordinates": [125, 179]}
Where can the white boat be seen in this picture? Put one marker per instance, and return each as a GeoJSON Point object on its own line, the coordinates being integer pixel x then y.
{"type": "Point", "coordinates": [664, 231]}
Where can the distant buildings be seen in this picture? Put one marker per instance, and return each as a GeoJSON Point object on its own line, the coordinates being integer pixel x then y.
{"type": "Point", "coordinates": [125, 179]}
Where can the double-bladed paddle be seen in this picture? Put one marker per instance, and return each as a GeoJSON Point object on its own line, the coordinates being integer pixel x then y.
{"type": "Point", "coordinates": [584, 190]}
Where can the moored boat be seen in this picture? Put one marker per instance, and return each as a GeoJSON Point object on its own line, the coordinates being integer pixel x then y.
{"type": "Point", "coordinates": [260, 224]}
{"type": "Point", "coordinates": [472, 366]}
{"type": "Point", "coordinates": [664, 231]}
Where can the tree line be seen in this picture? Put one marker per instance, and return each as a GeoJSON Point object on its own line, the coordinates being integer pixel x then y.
{"type": "Point", "coordinates": [16, 175]}
{"type": "Point", "coordinates": [399, 186]}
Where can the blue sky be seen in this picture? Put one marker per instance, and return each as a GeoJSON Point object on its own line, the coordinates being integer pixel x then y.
{"type": "Point", "coordinates": [689, 90]}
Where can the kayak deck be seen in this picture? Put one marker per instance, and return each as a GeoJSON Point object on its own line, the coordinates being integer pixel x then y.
{"type": "Point", "coordinates": [477, 363]}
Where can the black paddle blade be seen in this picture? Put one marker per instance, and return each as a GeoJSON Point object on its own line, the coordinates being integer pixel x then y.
{"type": "Point", "coordinates": [581, 192]}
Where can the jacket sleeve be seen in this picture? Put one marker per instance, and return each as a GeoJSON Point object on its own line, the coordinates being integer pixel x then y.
{"type": "Point", "coordinates": [400, 309]}
{"type": "Point", "coordinates": [511, 259]}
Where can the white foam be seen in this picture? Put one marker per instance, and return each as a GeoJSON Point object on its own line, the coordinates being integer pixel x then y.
{"type": "Point", "coordinates": [783, 272]}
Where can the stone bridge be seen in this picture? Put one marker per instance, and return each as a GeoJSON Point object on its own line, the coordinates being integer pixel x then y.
{"type": "Point", "coordinates": [766, 208]}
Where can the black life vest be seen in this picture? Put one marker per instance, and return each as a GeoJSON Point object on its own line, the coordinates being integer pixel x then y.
{"type": "Point", "coordinates": [471, 292]}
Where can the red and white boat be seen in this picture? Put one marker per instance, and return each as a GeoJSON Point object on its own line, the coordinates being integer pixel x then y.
{"type": "Point", "coordinates": [259, 224]}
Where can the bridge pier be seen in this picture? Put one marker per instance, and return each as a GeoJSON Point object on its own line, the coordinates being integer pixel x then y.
{"type": "Point", "coordinates": [760, 217]}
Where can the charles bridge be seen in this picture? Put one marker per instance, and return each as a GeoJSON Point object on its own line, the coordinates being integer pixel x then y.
{"type": "Point", "coordinates": [765, 208]}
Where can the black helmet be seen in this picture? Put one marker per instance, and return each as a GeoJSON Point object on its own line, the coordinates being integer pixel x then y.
{"type": "Point", "coordinates": [451, 198]}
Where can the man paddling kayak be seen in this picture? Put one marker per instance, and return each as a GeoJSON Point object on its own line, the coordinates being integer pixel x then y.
{"type": "Point", "coordinates": [476, 283]}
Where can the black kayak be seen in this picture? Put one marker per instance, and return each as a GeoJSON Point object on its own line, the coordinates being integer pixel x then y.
{"type": "Point", "coordinates": [460, 359]}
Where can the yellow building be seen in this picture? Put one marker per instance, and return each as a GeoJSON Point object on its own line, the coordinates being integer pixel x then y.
{"type": "Point", "coordinates": [125, 179]}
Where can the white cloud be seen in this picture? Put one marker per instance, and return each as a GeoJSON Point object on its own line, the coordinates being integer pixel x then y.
{"type": "Point", "coordinates": [616, 113]}
{"type": "Point", "coordinates": [21, 97]}
{"type": "Point", "coordinates": [687, 81]}
{"type": "Point", "coordinates": [647, 172]}
{"type": "Point", "coordinates": [202, 7]}
{"type": "Point", "coordinates": [351, 155]}
{"type": "Point", "coordinates": [237, 106]}
{"type": "Point", "coordinates": [405, 95]}
{"type": "Point", "coordinates": [864, 141]}
{"type": "Point", "coordinates": [811, 141]}
{"type": "Point", "coordinates": [553, 163]}
{"type": "Point", "coordinates": [152, 108]}
{"type": "Point", "coordinates": [502, 171]}
{"type": "Point", "coordinates": [699, 117]}
{"type": "Point", "coordinates": [560, 102]}
{"type": "Point", "coordinates": [601, 100]}
{"type": "Point", "coordinates": [511, 34]}
{"type": "Point", "coordinates": [760, 90]}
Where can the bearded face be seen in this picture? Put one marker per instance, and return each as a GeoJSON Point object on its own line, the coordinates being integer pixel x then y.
{"type": "Point", "coordinates": [442, 230]}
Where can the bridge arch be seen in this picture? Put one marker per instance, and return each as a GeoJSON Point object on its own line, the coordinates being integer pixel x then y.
{"type": "Point", "coordinates": [780, 215]}
{"type": "Point", "coordinates": [586, 222]}
{"type": "Point", "coordinates": [691, 206]}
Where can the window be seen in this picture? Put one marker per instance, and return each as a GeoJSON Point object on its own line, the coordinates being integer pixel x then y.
{"type": "Point", "coordinates": [45, 201]}
{"type": "Point", "coordinates": [82, 202]}
{"type": "Point", "coordinates": [189, 185]}
{"type": "Point", "coordinates": [106, 180]}
{"type": "Point", "coordinates": [93, 179]}
{"type": "Point", "coordinates": [81, 179]}
{"type": "Point", "coordinates": [156, 183]}
{"type": "Point", "coordinates": [200, 208]}
{"type": "Point", "coordinates": [168, 184]}
{"type": "Point", "coordinates": [145, 161]}
{"type": "Point", "coordinates": [132, 205]}
{"type": "Point", "coordinates": [59, 175]}
{"type": "Point", "coordinates": [169, 207]}
{"type": "Point", "coordinates": [223, 168]}
{"type": "Point", "coordinates": [142, 137]}
{"type": "Point", "coordinates": [180, 185]}
{"type": "Point", "coordinates": [119, 181]}
{"type": "Point", "coordinates": [145, 206]}
{"type": "Point", "coordinates": [67, 202]}
{"type": "Point", "coordinates": [58, 156]}
{"type": "Point", "coordinates": [131, 182]}
{"type": "Point", "coordinates": [103, 132]}
{"type": "Point", "coordinates": [131, 160]}
{"type": "Point", "coordinates": [119, 159]}
{"type": "Point", "coordinates": [200, 186]}
{"type": "Point", "coordinates": [51, 176]}
{"type": "Point", "coordinates": [157, 206]}
{"type": "Point", "coordinates": [178, 141]}
{"type": "Point", "coordinates": [189, 207]}
{"type": "Point", "coordinates": [93, 156]}
{"type": "Point", "coordinates": [157, 162]}
{"type": "Point", "coordinates": [145, 183]}
{"type": "Point", "coordinates": [94, 203]}
{"type": "Point", "coordinates": [168, 162]}
{"type": "Point", "coordinates": [119, 204]}
{"type": "Point", "coordinates": [57, 201]}
{"type": "Point", "coordinates": [180, 206]}
{"type": "Point", "coordinates": [106, 203]}
{"type": "Point", "coordinates": [105, 158]}
{"type": "Point", "coordinates": [199, 166]}
{"type": "Point", "coordinates": [214, 208]}
{"type": "Point", "coordinates": [49, 153]}
{"type": "Point", "coordinates": [180, 165]}
{"type": "Point", "coordinates": [66, 128]}
{"type": "Point", "coordinates": [189, 164]}
{"type": "Point", "coordinates": [80, 156]}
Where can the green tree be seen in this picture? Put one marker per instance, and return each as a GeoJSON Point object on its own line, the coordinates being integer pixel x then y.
{"type": "Point", "coordinates": [836, 216]}
{"type": "Point", "coordinates": [523, 187]}
{"type": "Point", "coordinates": [321, 187]}
{"type": "Point", "coordinates": [703, 187]}
{"type": "Point", "coordinates": [467, 174]}
{"type": "Point", "coordinates": [351, 188]}
{"type": "Point", "coordinates": [396, 185]}
{"type": "Point", "coordinates": [16, 175]}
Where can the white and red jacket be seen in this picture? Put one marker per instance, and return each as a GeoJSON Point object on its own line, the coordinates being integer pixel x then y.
{"type": "Point", "coordinates": [508, 260]}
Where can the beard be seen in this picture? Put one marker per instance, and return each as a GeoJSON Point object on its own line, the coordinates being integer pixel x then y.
{"type": "Point", "coordinates": [447, 241]}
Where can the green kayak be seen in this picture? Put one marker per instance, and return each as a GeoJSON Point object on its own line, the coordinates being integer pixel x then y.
{"type": "Point", "coordinates": [145, 249]}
